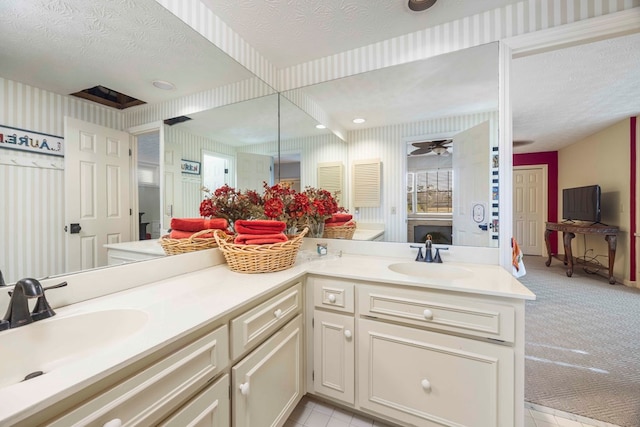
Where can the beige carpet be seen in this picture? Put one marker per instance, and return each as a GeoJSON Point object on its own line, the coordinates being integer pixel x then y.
{"type": "Point", "coordinates": [582, 344]}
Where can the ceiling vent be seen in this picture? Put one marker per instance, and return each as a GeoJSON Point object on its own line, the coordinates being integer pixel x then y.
{"type": "Point", "coordinates": [109, 97]}
{"type": "Point", "coordinates": [175, 120]}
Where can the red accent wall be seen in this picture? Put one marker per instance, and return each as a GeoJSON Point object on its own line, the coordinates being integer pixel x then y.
{"type": "Point", "coordinates": [633, 192]}
{"type": "Point", "coordinates": [549, 158]}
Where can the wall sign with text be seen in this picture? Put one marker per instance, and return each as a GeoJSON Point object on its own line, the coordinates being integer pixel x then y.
{"type": "Point", "coordinates": [190, 167]}
{"type": "Point", "coordinates": [33, 142]}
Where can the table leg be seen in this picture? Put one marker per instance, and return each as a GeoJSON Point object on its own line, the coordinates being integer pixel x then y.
{"type": "Point", "coordinates": [568, 255]}
{"type": "Point", "coordinates": [548, 243]}
{"type": "Point", "coordinates": [612, 240]}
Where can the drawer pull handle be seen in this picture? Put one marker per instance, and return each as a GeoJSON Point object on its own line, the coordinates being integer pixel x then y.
{"type": "Point", "coordinates": [426, 385]}
{"type": "Point", "coordinates": [244, 389]}
{"type": "Point", "coordinates": [428, 314]}
{"type": "Point", "coordinates": [116, 422]}
{"type": "Point", "coordinates": [331, 298]}
{"type": "Point", "coordinates": [347, 334]}
{"type": "Point", "coordinates": [278, 313]}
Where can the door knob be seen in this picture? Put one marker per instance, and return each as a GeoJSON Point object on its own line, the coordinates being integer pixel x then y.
{"type": "Point", "coordinates": [244, 389]}
{"type": "Point", "coordinates": [116, 422]}
{"type": "Point", "coordinates": [332, 298]}
{"type": "Point", "coordinates": [347, 334]}
{"type": "Point", "coordinates": [75, 228]}
{"type": "Point", "coordinates": [278, 313]}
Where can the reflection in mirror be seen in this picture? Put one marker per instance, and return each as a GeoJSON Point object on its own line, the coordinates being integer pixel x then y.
{"type": "Point", "coordinates": [32, 240]}
{"type": "Point", "coordinates": [441, 97]}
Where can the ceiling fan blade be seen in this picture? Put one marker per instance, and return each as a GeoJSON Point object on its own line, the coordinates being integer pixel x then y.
{"type": "Point", "coordinates": [423, 150]}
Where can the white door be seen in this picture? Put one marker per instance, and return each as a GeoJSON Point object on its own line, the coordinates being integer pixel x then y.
{"type": "Point", "coordinates": [253, 170]}
{"type": "Point", "coordinates": [529, 209]}
{"type": "Point", "coordinates": [471, 186]}
{"type": "Point", "coordinates": [97, 202]}
{"type": "Point", "coordinates": [172, 184]}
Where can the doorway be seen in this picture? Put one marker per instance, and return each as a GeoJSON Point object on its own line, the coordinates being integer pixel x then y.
{"type": "Point", "coordinates": [217, 170]}
{"type": "Point", "coordinates": [530, 207]}
{"type": "Point", "coordinates": [148, 165]}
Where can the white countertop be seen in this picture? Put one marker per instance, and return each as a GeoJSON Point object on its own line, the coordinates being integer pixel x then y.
{"type": "Point", "coordinates": [149, 247]}
{"type": "Point", "coordinates": [182, 304]}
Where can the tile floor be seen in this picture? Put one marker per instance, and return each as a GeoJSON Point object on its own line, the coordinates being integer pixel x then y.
{"type": "Point", "coordinates": [313, 413]}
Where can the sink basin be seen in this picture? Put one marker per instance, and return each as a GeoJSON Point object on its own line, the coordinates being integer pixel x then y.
{"type": "Point", "coordinates": [431, 270]}
{"type": "Point", "coordinates": [50, 343]}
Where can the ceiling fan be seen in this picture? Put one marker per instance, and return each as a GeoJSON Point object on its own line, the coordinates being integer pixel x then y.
{"type": "Point", "coordinates": [439, 147]}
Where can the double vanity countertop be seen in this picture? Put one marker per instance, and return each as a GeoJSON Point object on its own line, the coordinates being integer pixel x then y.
{"type": "Point", "coordinates": [169, 309]}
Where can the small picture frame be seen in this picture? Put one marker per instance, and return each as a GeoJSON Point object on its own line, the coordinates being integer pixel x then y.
{"type": "Point", "coordinates": [190, 167]}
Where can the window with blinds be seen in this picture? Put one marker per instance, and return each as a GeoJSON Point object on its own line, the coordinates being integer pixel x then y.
{"type": "Point", "coordinates": [430, 191]}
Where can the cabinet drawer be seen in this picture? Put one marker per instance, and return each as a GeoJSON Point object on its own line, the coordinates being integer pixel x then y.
{"type": "Point", "coordinates": [153, 393]}
{"type": "Point", "coordinates": [251, 328]}
{"type": "Point", "coordinates": [333, 294]}
{"type": "Point", "coordinates": [426, 378]}
{"type": "Point", "coordinates": [439, 310]}
{"type": "Point", "coordinates": [209, 409]}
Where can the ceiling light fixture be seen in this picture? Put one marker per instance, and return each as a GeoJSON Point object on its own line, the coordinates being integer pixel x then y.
{"type": "Point", "coordinates": [321, 127]}
{"type": "Point", "coordinates": [359, 120]}
{"type": "Point", "coordinates": [164, 85]}
{"type": "Point", "coordinates": [420, 5]}
{"type": "Point", "coordinates": [440, 150]}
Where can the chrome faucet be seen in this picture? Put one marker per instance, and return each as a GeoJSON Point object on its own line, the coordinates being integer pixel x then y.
{"type": "Point", "coordinates": [18, 312]}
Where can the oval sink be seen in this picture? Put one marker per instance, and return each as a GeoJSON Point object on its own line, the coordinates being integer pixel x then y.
{"type": "Point", "coordinates": [44, 345]}
{"type": "Point", "coordinates": [431, 270]}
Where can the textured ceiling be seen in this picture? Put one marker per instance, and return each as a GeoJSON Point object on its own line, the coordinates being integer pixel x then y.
{"type": "Point", "coordinates": [563, 96]}
{"type": "Point", "coordinates": [289, 32]}
{"type": "Point", "coordinates": [68, 45]}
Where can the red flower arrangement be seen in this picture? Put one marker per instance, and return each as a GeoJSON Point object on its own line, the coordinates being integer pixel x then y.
{"type": "Point", "coordinates": [231, 204]}
{"type": "Point", "coordinates": [279, 202]}
{"type": "Point", "coordinates": [283, 203]}
{"type": "Point", "coordinates": [322, 205]}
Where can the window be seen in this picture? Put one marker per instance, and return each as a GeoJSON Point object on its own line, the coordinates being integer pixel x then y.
{"type": "Point", "coordinates": [430, 191]}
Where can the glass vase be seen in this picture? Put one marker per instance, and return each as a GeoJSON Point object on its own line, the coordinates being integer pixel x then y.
{"type": "Point", "coordinates": [316, 229]}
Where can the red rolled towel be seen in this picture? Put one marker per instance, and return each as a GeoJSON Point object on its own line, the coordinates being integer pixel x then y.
{"type": "Point", "coordinates": [180, 234]}
{"type": "Point", "coordinates": [259, 226]}
{"type": "Point", "coordinates": [260, 239]}
{"type": "Point", "coordinates": [198, 224]}
{"type": "Point", "coordinates": [339, 217]}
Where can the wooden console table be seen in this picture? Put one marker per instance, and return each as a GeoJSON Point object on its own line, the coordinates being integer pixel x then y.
{"type": "Point", "coordinates": [569, 231]}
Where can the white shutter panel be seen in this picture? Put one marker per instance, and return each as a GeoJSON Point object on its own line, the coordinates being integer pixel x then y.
{"type": "Point", "coordinates": [331, 178]}
{"type": "Point", "coordinates": [366, 183]}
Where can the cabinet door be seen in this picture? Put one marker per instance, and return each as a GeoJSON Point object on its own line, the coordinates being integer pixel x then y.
{"type": "Point", "coordinates": [430, 379]}
{"type": "Point", "coordinates": [268, 383]}
{"type": "Point", "coordinates": [334, 355]}
{"type": "Point", "coordinates": [208, 409]}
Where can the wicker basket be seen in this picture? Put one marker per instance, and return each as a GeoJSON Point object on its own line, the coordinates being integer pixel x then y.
{"type": "Point", "coordinates": [259, 258]}
{"type": "Point", "coordinates": [191, 244]}
{"type": "Point", "coordinates": [340, 232]}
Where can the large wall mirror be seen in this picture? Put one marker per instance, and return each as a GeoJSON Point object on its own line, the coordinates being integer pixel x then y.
{"type": "Point", "coordinates": [408, 104]}
{"type": "Point", "coordinates": [450, 100]}
{"type": "Point", "coordinates": [32, 241]}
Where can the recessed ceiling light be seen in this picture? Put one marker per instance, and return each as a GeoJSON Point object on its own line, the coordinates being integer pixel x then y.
{"type": "Point", "coordinates": [164, 85]}
{"type": "Point", "coordinates": [321, 127]}
{"type": "Point", "coordinates": [359, 120]}
{"type": "Point", "coordinates": [420, 5]}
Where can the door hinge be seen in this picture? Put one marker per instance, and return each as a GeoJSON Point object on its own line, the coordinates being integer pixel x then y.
{"type": "Point", "coordinates": [313, 322]}
{"type": "Point", "coordinates": [313, 375]}
{"type": "Point", "coordinates": [229, 391]}
{"type": "Point", "coordinates": [130, 211]}
{"type": "Point", "coordinates": [130, 152]}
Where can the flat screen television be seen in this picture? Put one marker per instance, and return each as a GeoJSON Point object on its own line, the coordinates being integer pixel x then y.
{"type": "Point", "coordinates": [581, 203]}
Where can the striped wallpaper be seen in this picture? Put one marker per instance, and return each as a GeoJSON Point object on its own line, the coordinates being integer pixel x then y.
{"type": "Point", "coordinates": [32, 198]}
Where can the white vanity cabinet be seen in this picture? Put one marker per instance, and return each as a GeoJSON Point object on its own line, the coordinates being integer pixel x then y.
{"type": "Point", "coordinates": [268, 383]}
{"type": "Point", "coordinates": [418, 356]}
{"type": "Point", "coordinates": [150, 395]}
{"type": "Point", "coordinates": [334, 338]}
